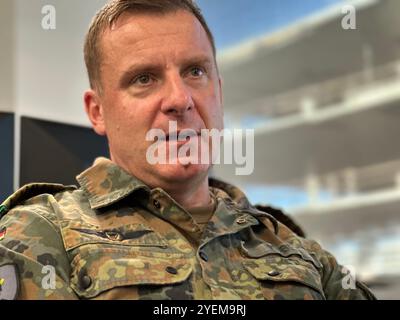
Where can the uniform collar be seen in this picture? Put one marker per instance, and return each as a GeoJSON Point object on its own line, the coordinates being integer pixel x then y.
{"type": "Point", "coordinates": [229, 193]}
{"type": "Point", "coordinates": [106, 183]}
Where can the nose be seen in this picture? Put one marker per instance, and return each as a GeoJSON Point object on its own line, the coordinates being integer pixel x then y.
{"type": "Point", "coordinates": [177, 98]}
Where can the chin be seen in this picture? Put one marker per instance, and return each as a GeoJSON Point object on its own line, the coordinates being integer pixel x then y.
{"type": "Point", "coordinates": [180, 173]}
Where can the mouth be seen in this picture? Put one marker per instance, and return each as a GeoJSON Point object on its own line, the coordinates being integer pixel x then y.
{"type": "Point", "coordinates": [182, 135]}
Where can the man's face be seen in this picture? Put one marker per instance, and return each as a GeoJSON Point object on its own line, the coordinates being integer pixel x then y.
{"type": "Point", "coordinates": [156, 68]}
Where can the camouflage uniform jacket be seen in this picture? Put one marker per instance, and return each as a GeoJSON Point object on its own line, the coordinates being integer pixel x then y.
{"type": "Point", "coordinates": [115, 238]}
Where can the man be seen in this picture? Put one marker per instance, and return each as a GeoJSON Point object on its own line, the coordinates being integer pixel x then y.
{"type": "Point", "coordinates": [135, 230]}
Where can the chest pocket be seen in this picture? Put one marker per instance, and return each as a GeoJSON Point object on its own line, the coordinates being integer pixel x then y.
{"type": "Point", "coordinates": [284, 272]}
{"type": "Point", "coordinates": [133, 255]}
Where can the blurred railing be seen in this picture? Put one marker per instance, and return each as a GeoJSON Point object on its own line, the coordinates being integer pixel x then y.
{"type": "Point", "coordinates": [382, 177]}
{"type": "Point", "coordinates": [328, 93]}
{"type": "Point", "coordinates": [350, 181]}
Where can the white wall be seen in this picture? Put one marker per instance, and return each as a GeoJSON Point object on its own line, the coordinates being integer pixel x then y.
{"type": "Point", "coordinates": [7, 38]}
{"type": "Point", "coordinates": [50, 72]}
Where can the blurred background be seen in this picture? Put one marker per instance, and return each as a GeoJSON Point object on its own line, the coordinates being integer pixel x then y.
{"type": "Point", "coordinates": [323, 98]}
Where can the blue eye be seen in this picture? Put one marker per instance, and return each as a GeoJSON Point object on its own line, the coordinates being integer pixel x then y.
{"type": "Point", "coordinates": [196, 72]}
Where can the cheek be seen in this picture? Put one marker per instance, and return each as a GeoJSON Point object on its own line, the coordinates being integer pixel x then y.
{"type": "Point", "coordinates": [117, 121]}
{"type": "Point", "coordinates": [214, 112]}
{"type": "Point", "coordinates": [125, 112]}
{"type": "Point", "coordinates": [132, 123]}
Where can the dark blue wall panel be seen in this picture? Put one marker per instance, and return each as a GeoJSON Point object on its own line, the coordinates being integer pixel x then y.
{"type": "Point", "coordinates": [7, 155]}
{"type": "Point", "coordinates": [54, 152]}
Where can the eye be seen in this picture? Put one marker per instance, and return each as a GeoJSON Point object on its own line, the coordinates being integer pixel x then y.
{"type": "Point", "coordinates": [143, 79]}
{"type": "Point", "coordinates": [196, 72]}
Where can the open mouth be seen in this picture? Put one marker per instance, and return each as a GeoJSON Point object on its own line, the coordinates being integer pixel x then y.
{"type": "Point", "coordinates": [182, 135]}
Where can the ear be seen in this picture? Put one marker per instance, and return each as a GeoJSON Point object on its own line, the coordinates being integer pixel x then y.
{"type": "Point", "coordinates": [94, 110]}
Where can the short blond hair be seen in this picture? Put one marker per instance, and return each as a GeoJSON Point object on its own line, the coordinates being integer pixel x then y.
{"type": "Point", "coordinates": [110, 13]}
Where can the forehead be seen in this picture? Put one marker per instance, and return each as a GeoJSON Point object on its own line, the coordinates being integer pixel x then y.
{"type": "Point", "coordinates": [135, 35]}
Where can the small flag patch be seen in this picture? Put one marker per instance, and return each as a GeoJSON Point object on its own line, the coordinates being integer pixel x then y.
{"type": "Point", "coordinates": [2, 233]}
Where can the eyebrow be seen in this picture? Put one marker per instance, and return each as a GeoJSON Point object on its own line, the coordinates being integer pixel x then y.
{"type": "Point", "coordinates": [138, 68]}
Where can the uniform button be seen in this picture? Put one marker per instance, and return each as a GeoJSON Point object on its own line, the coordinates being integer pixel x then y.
{"type": "Point", "coordinates": [241, 220]}
{"type": "Point", "coordinates": [284, 248]}
{"type": "Point", "coordinates": [203, 256]}
{"type": "Point", "coordinates": [171, 270]}
{"type": "Point", "coordinates": [86, 282]}
{"type": "Point", "coordinates": [274, 273]}
{"type": "Point", "coordinates": [114, 236]}
{"type": "Point", "coordinates": [157, 204]}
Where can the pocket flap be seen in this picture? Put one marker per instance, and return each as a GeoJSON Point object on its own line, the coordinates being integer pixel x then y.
{"type": "Point", "coordinates": [107, 268]}
{"type": "Point", "coordinates": [264, 249]}
{"type": "Point", "coordinates": [281, 269]}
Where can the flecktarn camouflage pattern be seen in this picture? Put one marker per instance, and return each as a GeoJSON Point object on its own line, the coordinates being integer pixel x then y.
{"type": "Point", "coordinates": [115, 238]}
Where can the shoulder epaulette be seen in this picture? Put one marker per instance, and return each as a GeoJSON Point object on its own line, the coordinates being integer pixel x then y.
{"type": "Point", "coordinates": [282, 218]}
{"type": "Point", "coordinates": [29, 191]}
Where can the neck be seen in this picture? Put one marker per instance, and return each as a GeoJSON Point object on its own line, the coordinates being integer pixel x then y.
{"type": "Point", "coordinates": [191, 196]}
